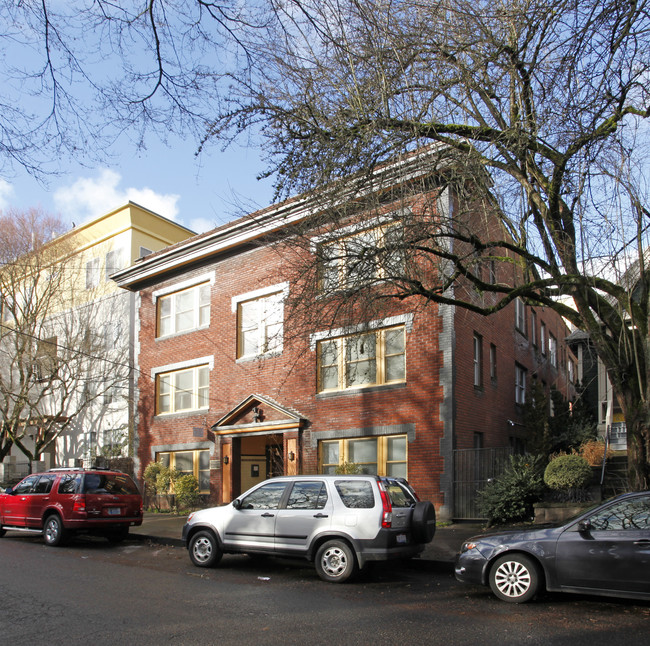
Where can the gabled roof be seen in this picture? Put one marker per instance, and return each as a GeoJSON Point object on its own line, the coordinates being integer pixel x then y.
{"type": "Point", "coordinates": [258, 413]}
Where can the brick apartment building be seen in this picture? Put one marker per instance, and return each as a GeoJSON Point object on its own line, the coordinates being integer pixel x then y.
{"type": "Point", "coordinates": [229, 393]}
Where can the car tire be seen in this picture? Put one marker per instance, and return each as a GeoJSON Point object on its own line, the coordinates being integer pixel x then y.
{"type": "Point", "coordinates": [53, 531]}
{"type": "Point", "coordinates": [335, 562]}
{"type": "Point", "coordinates": [423, 523]}
{"type": "Point", "coordinates": [515, 578]}
{"type": "Point", "coordinates": [204, 549]}
{"type": "Point", "coordinates": [2, 532]}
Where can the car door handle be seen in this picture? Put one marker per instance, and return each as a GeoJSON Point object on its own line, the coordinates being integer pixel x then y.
{"type": "Point", "coordinates": [321, 516]}
{"type": "Point", "coordinates": [268, 515]}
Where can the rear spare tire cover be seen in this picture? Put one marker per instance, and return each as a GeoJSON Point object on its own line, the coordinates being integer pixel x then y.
{"type": "Point", "coordinates": [424, 522]}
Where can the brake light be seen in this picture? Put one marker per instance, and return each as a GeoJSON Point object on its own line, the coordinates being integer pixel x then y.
{"type": "Point", "coordinates": [387, 512]}
{"type": "Point", "coordinates": [79, 507]}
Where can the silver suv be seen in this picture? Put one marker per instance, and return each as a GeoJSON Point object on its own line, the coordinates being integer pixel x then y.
{"type": "Point", "coordinates": [337, 522]}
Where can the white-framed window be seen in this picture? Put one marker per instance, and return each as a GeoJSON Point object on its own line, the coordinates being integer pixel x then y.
{"type": "Point", "coordinates": [372, 358]}
{"type": "Point", "coordinates": [384, 455]}
{"type": "Point", "coordinates": [260, 321]}
{"type": "Point", "coordinates": [552, 350]}
{"type": "Point", "coordinates": [520, 315]}
{"type": "Point", "coordinates": [542, 338]}
{"type": "Point", "coordinates": [92, 273]}
{"type": "Point", "coordinates": [184, 310]}
{"type": "Point", "coordinates": [194, 462]}
{"type": "Point", "coordinates": [478, 360]}
{"type": "Point", "coordinates": [362, 257]}
{"type": "Point", "coordinates": [520, 384]}
{"type": "Point", "coordinates": [183, 390]}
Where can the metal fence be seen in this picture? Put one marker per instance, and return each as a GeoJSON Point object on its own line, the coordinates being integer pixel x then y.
{"type": "Point", "coordinates": [472, 470]}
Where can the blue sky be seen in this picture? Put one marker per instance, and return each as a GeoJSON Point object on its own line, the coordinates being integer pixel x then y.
{"type": "Point", "coordinates": [198, 192]}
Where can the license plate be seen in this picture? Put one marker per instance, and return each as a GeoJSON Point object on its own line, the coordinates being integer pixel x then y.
{"type": "Point", "coordinates": [401, 538]}
{"type": "Point", "coordinates": [114, 511]}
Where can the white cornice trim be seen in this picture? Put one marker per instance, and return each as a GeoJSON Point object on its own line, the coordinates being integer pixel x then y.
{"type": "Point", "coordinates": [265, 222]}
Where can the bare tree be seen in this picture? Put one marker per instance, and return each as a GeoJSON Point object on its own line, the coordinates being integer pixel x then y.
{"type": "Point", "coordinates": [538, 110]}
{"type": "Point", "coordinates": [535, 111]}
{"type": "Point", "coordinates": [55, 362]}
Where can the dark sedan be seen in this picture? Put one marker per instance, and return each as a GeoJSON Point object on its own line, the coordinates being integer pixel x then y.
{"type": "Point", "coordinates": [604, 551]}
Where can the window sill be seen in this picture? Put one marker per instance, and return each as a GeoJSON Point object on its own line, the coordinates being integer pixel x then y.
{"type": "Point", "coordinates": [362, 390]}
{"type": "Point", "coordinates": [184, 413]}
{"type": "Point", "coordinates": [183, 333]}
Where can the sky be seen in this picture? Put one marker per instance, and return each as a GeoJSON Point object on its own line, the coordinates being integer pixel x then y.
{"type": "Point", "coordinates": [198, 192]}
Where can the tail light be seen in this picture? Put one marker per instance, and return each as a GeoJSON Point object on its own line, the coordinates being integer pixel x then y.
{"type": "Point", "coordinates": [387, 512]}
{"type": "Point", "coordinates": [79, 506]}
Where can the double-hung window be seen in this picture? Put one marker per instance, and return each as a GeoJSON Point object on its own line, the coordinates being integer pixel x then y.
{"type": "Point", "coordinates": [520, 384]}
{"type": "Point", "coordinates": [184, 310]}
{"type": "Point", "coordinates": [260, 325]}
{"type": "Point", "coordinates": [552, 350]}
{"type": "Point", "coordinates": [182, 390]}
{"type": "Point", "coordinates": [520, 315]}
{"type": "Point", "coordinates": [478, 361]}
{"type": "Point", "coordinates": [372, 358]}
{"type": "Point", "coordinates": [362, 257]}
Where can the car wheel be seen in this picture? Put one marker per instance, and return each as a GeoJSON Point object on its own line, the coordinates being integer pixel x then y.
{"type": "Point", "coordinates": [2, 532]}
{"type": "Point", "coordinates": [335, 562]}
{"type": "Point", "coordinates": [53, 531]}
{"type": "Point", "coordinates": [204, 549]}
{"type": "Point", "coordinates": [515, 578]}
{"type": "Point", "coordinates": [423, 522]}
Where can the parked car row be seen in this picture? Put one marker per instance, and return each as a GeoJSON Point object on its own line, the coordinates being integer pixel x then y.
{"type": "Point", "coordinates": [341, 523]}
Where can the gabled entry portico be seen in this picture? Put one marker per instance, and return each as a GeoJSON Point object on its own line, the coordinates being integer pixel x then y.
{"type": "Point", "coordinates": [259, 439]}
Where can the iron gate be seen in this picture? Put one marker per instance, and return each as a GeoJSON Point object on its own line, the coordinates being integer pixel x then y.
{"type": "Point", "coordinates": [472, 470]}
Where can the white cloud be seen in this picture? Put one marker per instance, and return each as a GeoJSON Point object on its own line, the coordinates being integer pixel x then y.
{"type": "Point", "coordinates": [90, 197]}
{"type": "Point", "coordinates": [201, 225]}
{"type": "Point", "coordinates": [6, 191]}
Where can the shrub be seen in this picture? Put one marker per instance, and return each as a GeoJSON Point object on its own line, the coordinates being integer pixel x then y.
{"type": "Point", "coordinates": [510, 497]}
{"type": "Point", "coordinates": [186, 488]}
{"type": "Point", "coordinates": [158, 480]}
{"type": "Point", "coordinates": [593, 452]}
{"type": "Point", "coordinates": [348, 468]}
{"type": "Point", "coordinates": [569, 475]}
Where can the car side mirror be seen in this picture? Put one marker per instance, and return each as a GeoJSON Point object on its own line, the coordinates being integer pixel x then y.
{"type": "Point", "coordinates": [236, 503]}
{"type": "Point", "coordinates": [9, 491]}
{"type": "Point", "coordinates": [584, 526]}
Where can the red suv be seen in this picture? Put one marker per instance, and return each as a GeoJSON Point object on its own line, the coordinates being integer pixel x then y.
{"type": "Point", "coordinates": [60, 502]}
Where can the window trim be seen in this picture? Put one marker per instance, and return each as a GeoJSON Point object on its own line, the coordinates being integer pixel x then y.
{"type": "Point", "coordinates": [478, 360]}
{"type": "Point", "coordinates": [380, 358]}
{"type": "Point", "coordinates": [382, 452]}
{"type": "Point", "coordinates": [520, 384]}
{"type": "Point", "coordinates": [520, 315]}
{"type": "Point", "coordinates": [264, 293]}
{"type": "Point", "coordinates": [379, 224]}
{"type": "Point", "coordinates": [175, 368]}
{"type": "Point", "coordinates": [195, 463]}
{"type": "Point", "coordinates": [174, 290]}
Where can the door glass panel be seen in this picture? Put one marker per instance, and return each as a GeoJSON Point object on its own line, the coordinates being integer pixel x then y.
{"type": "Point", "coordinates": [266, 497]}
{"type": "Point", "coordinates": [307, 495]}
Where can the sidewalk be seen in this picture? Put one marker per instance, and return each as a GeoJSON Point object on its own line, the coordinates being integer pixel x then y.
{"type": "Point", "coordinates": [166, 529]}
